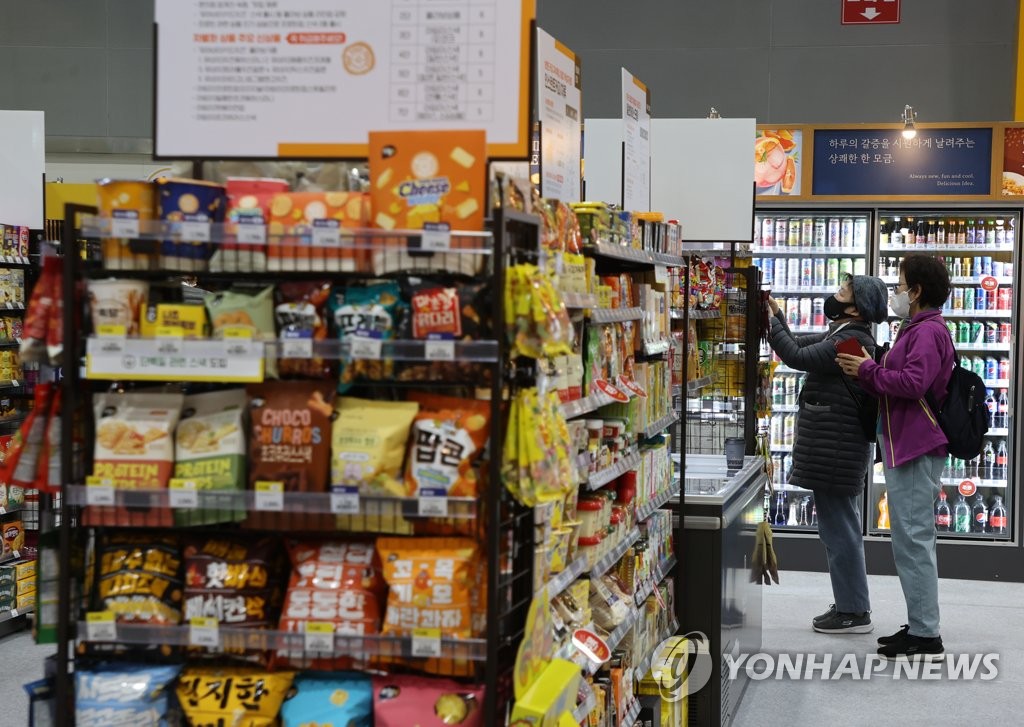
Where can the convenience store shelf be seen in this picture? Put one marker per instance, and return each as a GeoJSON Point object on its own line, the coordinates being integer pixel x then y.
{"type": "Point", "coordinates": [974, 313]}
{"type": "Point", "coordinates": [956, 280]}
{"type": "Point", "coordinates": [704, 315]}
{"type": "Point", "coordinates": [802, 250]}
{"type": "Point", "coordinates": [661, 425]}
{"type": "Point", "coordinates": [563, 580]}
{"type": "Point", "coordinates": [981, 482]}
{"type": "Point", "coordinates": [644, 665]}
{"type": "Point", "coordinates": [601, 478]}
{"type": "Point", "coordinates": [804, 290]}
{"type": "Point", "coordinates": [661, 570]}
{"type": "Point", "coordinates": [615, 554]}
{"type": "Point", "coordinates": [615, 637]}
{"type": "Point", "coordinates": [655, 503]}
{"type": "Point", "coordinates": [616, 315]}
{"type": "Point", "coordinates": [946, 248]}
{"type": "Point", "coordinates": [579, 300]}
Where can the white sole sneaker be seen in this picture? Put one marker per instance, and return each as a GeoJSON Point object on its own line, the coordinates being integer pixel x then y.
{"type": "Point", "coordinates": [858, 629]}
{"type": "Point", "coordinates": [930, 656]}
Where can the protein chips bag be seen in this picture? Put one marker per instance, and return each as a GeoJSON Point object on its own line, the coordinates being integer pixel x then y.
{"type": "Point", "coordinates": [211, 449]}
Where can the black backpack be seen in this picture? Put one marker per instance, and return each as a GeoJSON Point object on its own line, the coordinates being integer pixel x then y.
{"type": "Point", "coordinates": [963, 416]}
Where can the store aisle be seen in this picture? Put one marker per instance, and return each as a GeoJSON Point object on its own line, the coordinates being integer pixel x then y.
{"type": "Point", "coordinates": [977, 618]}
{"type": "Point", "coordinates": [23, 660]}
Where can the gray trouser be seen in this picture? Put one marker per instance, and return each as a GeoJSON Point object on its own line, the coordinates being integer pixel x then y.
{"type": "Point", "coordinates": [912, 489]}
{"type": "Point", "coordinates": [839, 528]}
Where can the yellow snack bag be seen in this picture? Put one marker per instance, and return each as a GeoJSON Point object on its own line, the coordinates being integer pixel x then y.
{"type": "Point", "coordinates": [368, 444]}
{"type": "Point", "coordinates": [238, 696]}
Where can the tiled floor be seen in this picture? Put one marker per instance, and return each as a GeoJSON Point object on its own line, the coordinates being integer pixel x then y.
{"type": "Point", "coordinates": [977, 618]}
{"type": "Point", "coordinates": [23, 661]}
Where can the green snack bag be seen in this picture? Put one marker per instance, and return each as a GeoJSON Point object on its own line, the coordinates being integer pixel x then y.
{"type": "Point", "coordinates": [240, 309]}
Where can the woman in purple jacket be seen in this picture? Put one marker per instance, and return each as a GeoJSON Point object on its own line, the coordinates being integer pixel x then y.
{"type": "Point", "coordinates": [912, 443]}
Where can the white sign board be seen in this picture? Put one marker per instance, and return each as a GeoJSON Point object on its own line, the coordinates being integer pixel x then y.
{"type": "Point", "coordinates": [311, 78]}
{"type": "Point", "coordinates": [559, 91]}
{"type": "Point", "coordinates": [701, 174]}
{"type": "Point", "coordinates": [22, 163]}
{"type": "Point", "coordinates": [636, 138]}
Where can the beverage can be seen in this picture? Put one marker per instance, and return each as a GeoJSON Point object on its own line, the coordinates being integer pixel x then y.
{"type": "Point", "coordinates": [793, 234]}
{"type": "Point", "coordinates": [860, 233]}
{"type": "Point", "coordinates": [997, 268]}
{"type": "Point", "coordinates": [805, 312]}
{"type": "Point", "coordinates": [793, 311]}
{"type": "Point", "coordinates": [832, 271]}
{"type": "Point", "coordinates": [791, 391]}
{"type": "Point", "coordinates": [1004, 369]}
{"type": "Point", "coordinates": [991, 368]}
{"type": "Point", "coordinates": [986, 265]}
{"type": "Point", "coordinates": [1004, 298]}
{"type": "Point", "coordinates": [818, 312]}
{"type": "Point", "coordinates": [767, 268]}
{"type": "Point", "coordinates": [767, 232]}
{"type": "Point", "coordinates": [981, 299]}
{"type": "Point", "coordinates": [780, 271]}
{"type": "Point", "coordinates": [963, 333]}
{"type": "Point", "coordinates": [969, 294]}
{"type": "Point", "coordinates": [833, 232]}
{"type": "Point", "coordinates": [793, 273]}
{"type": "Point", "coordinates": [978, 366]}
{"type": "Point", "coordinates": [859, 266]}
{"type": "Point", "coordinates": [807, 231]}
{"type": "Point", "coordinates": [958, 298]}
{"type": "Point", "coordinates": [778, 391]}
{"type": "Point", "coordinates": [846, 232]}
{"type": "Point", "coordinates": [820, 232]}
{"type": "Point", "coordinates": [846, 266]}
{"type": "Point", "coordinates": [781, 231]}
{"type": "Point", "coordinates": [819, 272]}
{"type": "Point", "coordinates": [977, 332]}
{"type": "Point", "coordinates": [992, 332]}
{"type": "Point", "coordinates": [966, 363]}
{"type": "Point", "coordinates": [806, 272]}
{"type": "Point", "coordinates": [1004, 332]}
{"type": "Point", "coordinates": [1007, 270]}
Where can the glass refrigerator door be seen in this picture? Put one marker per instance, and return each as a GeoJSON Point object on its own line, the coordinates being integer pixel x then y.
{"type": "Point", "coordinates": [978, 249]}
{"type": "Point", "coordinates": [802, 254]}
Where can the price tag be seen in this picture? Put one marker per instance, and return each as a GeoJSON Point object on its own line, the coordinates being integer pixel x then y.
{"type": "Point", "coordinates": [365, 348]}
{"type": "Point", "coordinates": [436, 236]}
{"type": "Point", "coordinates": [661, 274]}
{"type": "Point", "coordinates": [432, 506]}
{"type": "Point", "coordinates": [125, 223]}
{"type": "Point", "coordinates": [183, 494]}
{"type": "Point", "coordinates": [439, 350]}
{"type": "Point", "coordinates": [319, 637]}
{"type": "Point", "coordinates": [237, 333]}
{"type": "Point", "coordinates": [326, 233]}
{"type": "Point", "coordinates": [296, 348]}
{"type": "Point", "coordinates": [426, 643]}
{"type": "Point", "coordinates": [345, 503]}
{"type": "Point", "coordinates": [251, 233]}
{"type": "Point", "coordinates": [100, 626]}
{"type": "Point", "coordinates": [194, 231]}
{"type": "Point", "coordinates": [99, 491]}
{"type": "Point", "coordinates": [110, 330]}
{"type": "Point", "coordinates": [269, 496]}
{"type": "Point", "coordinates": [204, 631]}
{"type": "Point", "coordinates": [169, 340]}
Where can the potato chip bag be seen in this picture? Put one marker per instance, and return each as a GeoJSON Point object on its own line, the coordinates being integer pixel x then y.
{"type": "Point", "coordinates": [448, 436]}
{"type": "Point", "coordinates": [250, 313]}
{"type": "Point", "coordinates": [368, 444]}
{"type": "Point", "coordinates": [429, 582]}
{"type": "Point", "coordinates": [233, 579]}
{"type": "Point", "coordinates": [301, 313]}
{"type": "Point", "coordinates": [211, 449]}
{"type": "Point", "coordinates": [373, 311]}
{"type": "Point", "coordinates": [344, 699]}
{"type": "Point", "coordinates": [138, 576]}
{"type": "Point", "coordinates": [238, 696]}
{"type": "Point", "coordinates": [122, 694]}
{"type": "Point", "coordinates": [400, 700]}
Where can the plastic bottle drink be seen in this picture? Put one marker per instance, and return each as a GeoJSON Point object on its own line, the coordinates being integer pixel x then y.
{"type": "Point", "coordinates": [896, 234]}
{"type": "Point", "coordinates": [940, 233]}
{"type": "Point", "coordinates": [779, 392]}
{"type": "Point", "coordinates": [806, 272]}
{"type": "Point", "coordinates": [1000, 232]}
{"type": "Point", "coordinates": [814, 514]}
{"type": "Point", "coordinates": [961, 516]}
{"type": "Point", "coordinates": [780, 509]}
{"type": "Point", "coordinates": [961, 233]}
{"type": "Point", "coordinates": [788, 430]}
{"type": "Point", "coordinates": [1002, 417]}
{"type": "Point", "coordinates": [990, 404]}
{"type": "Point", "coordinates": [978, 366]}
{"type": "Point", "coordinates": [977, 266]}
{"type": "Point", "coordinates": [959, 468]}
{"type": "Point", "coordinates": [803, 518]}
{"type": "Point", "coordinates": [972, 467]}
{"type": "Point", "coordinates": [884, 232]}
{"type": "Point", "coordinates": [958, 298]}
{"type": "Point", "coordinates": [991, 368]}
{"type": "Point", "coordinates": [979, 515]}
{"type": "Point", "coordinates": [883, 511]}
{"type": "Point", "coordinates": [1004, 369]}
{"type": "Point", "coordinates": [971, 233]}
{"type": "Point", "coordinates": [921, 236]}
{"type": "Point", "coordinates": [988, 460]}
{"type": "Point", "coordinates": [958, 268]}
{"type": "Point", "coordinates": [943, 516]}
{"type": "Point", "coordinates": [1002, 458]}
{"type": "Point", "coordinates": [997, 517]}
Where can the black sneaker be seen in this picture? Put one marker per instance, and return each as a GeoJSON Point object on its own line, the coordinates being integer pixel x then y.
{"type": "Point", "coordinates": [845, 623]}
{"type": "Point", "coordinates": [825, 616]}
{"type": "Point", "coordinates": [895, 638]}
{"type": "Point", "coordinates": [914, 648]}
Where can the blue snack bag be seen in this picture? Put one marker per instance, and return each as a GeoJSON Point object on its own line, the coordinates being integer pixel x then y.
{"type": "Point", "coordinates": [340, 699]}
{"type": "Point", "coordinates": [122, 694]}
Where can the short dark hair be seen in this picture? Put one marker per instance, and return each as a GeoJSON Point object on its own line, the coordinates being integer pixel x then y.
{"type": "Point", "coordinates": [930, 274]}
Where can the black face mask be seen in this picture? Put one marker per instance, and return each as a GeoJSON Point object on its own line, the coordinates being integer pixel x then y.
{"type": "Point", "coordinates": [835, 309]}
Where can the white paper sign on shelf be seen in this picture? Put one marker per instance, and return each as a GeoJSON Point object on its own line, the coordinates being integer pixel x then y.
{"type": "Point", "coordinates": [204, 631]}
{"type": "Point", "coordinates": [345, 501]}
{"type": "Point", "coordinates": [326, 233]}
{"type": "Point", "coordinates": [439, 350]}
{"type": "Point", "coordinates": [22, 158]}
{"type": "Point", "coordinates": [251, 233]}
{"type": "Point", "coordinates": [193, 230]}
{"type": "Point", "coordinates": [559, 101]}
{"type": "Point", "coordinates": [636, 138]}
{"type": "Point", "coordinates": [100, 626]}
{"type": "Point", "coordinates": [436, 236]}
{"type": "Point", "coordinates": [173, 358]}
{"type": "Point", "coordinates": [125, 223]}
{"type": "Point", "coordinates": [404, 65]}
{"type": "Point", "coordinates": [296, 346]}
{"type": "Point", "coordinates": [432, 506]}
{"type": "Point", "coordinates": [362, 347]}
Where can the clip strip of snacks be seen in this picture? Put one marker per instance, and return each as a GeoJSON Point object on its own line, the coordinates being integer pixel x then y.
{"type": "Point", "coordinates": [288, 497]}
{"type": "Point", "coordinates": [590, 450]}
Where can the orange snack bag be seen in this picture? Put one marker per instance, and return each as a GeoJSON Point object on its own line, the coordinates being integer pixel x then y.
{"type": "Point", "coordinates": [448, 436]}
{"type": "Point", "coordinates": [293, 215]}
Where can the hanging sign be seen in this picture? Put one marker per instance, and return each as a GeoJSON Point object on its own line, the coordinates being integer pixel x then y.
{"type": "Point", "coordinates": [870, 12]}
{"type": "Point", "coordinates": [559, 92]}
{"type": "Point", "coordinates": [636, 138]}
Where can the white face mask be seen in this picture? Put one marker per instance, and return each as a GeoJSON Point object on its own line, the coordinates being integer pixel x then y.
{"type": "Point", "coordinates": [900, 304]}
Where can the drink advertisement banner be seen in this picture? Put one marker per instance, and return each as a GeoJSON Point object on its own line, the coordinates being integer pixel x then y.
{"type": "Point", "coordinates": [636, 136]}
{"type": "Point", "coordinates": [777, 163]}
{"type": "Point", "coordinates": [1013, 162]}
{"type": "Point", "coordinates": [559, 91]}
{"type": "Point", "coordinates": [312, 78]}
{"type": "Point", "coordinates": [881, 162]}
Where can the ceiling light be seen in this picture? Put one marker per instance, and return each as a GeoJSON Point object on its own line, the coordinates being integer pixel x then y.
{"type": "Point", "coordinates": [909, 132]}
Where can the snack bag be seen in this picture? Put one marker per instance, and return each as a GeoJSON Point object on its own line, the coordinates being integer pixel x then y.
{"type": "Point", "coordinates": [400, 700]}
{"type": "Point", "coordinates": [37, 314]}
{"type": "Point", "coordinates": [128, 200]}
{"type": "Point", "coordinates": [461, 313]}
{"type": "Point", "coordinates": [301, 313]}
{"type": "Point", "coordinates": [183, 202]}
{"type": "Point", "coordinates": [290, 443]}
{"type": "Point", "coordinates": [373, 311]}
{"type": "Point", "coordinates": [249, 312]}
{"type": "Point", "coordinates": [135, 451]}
{"type": "Point", "coordinates": [336, 582]}
{"type": "Point", "coordinates": [122, 694]}
{"type": "Point", "coordinates": [232, 695]}
{"type": "Point", "coordinates": [368, 444]}
{"type": "Point", "coordinates": [117, 304]}
{"type": "Point", "coordinates": [13, 532]}
{"type": "Point", "coordinates": [211, 450]}
{"type": "Point", "coordinates": [344, 699]}
{"type": "Point", "coordinates": [247, 215]}
{"type": "Point", "coordinates": [448, 436]}
{"type": "Point", "coordinates": [429, 582]}
{"type": "Point", "coordinates": [293, 217]}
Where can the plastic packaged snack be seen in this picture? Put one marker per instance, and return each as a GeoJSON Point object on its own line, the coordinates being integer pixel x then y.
{"type": "Point", "coordinates": [249, 311]}
{"type": "Point", "coordinates": [368, 444]}
{"type": "Point", "coordinates": [429, 582]}
{"type": "Point", "coordinates": [211, 449]}
{"type": "Point", "coordinates": [128, 200]}
{"type": "Point", "coordinates": [373, 311]}
{"type": "Point", "coordinates": [248, 205]}
{"type": "Point", "coordinates": [344, 699]}
{"type": "Point", "coordinates": [117, 303]}
{"type": "Point", "coordinates": [460, 312]}
{"type": "Point", "coordinates": [232, 695]}
{"type": "Point", "coordinates": [400, 700]}
{"type": "Point", "coordinates": [301, 313]}
{"type": "Point", "coordinates": [448, 436]}
{"type": "Point", "coordinates": [122, 694]}
{"type": "Point", "coordinates": [536, 320]}
{"type": "Point", "coordinates": [138, 576]}
{"type": "Point", "coordinates": [184, 202]}
{"type": "Point", "coordinates": [13, 538]}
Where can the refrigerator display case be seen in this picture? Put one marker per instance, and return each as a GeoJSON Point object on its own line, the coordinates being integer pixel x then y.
{"type": "Point", "coordinates": [979, 249]}
{"type": "Point", "coordinates": [802, 254]}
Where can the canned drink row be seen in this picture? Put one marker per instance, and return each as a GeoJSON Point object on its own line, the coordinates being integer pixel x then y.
{"type": "Point", "coordinates": [978, 332]}
{"type": "Point", "coordinates": [811, 232]}
{"type": "Point", "coordinates": [808, 272]}
{"type": "Point", "coordinates": [979, 299]}
{"type": "Point", "coordinates": [958, 267]}
{"type": "Point", "coordinates": [988, 367]}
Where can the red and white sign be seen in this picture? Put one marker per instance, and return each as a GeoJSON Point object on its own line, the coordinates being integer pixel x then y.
{"type": "Point", "coordinates": [870, 12]}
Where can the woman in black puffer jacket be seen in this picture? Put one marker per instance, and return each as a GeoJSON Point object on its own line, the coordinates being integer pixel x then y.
{"type": "Point", "coordinates": [831, 456]}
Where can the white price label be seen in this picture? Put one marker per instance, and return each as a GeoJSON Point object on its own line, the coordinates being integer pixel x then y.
{"type": "Point", "coordinates": [251, 234]}
{"type": "Point", "coordinates": [426, 643]}
{"type": "Point", "coordinates": [99, 495]}
{"type": "Point", "coordinates": [125, 226]}
{"type": "Point", "coordinates": [204, 632]}
{"type": "Point", "coordinates": [194, 231]}
{"type": "Point", "coordinates": [345, 503]}
{"type": "Point", "coordinates": [365, 348]}
{"type": "Point", "coordinates": [430, 506]}
{"type": "Point", "coordinates": [183, 495]}
{"type": "Point", "coordinates": [326, 233]}
{"type": "Point", "coordinates": [269, 496]}
{"type": "Point", "coordinates": [170, 342]}
{"type": "Point", "coordinates": [296, 348]}
{"type": "Point", "coordinates": [661, 274]}
{"type": "Point", "coordinates": [435, 240]}
{"type": "Point", "coordinates": [439, 350]}
{"type": "Point", "coordinates": [319, 637]}
{"type": "Point", "coordinates": [100, 626]}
